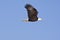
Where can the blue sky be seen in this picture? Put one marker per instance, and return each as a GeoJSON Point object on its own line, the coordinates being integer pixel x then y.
{"type": "Point", "coordinates": [12, 12]}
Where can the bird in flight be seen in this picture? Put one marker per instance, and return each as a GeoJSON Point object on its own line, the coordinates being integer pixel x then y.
{"type": "Point", "coordinates": [32, 13]}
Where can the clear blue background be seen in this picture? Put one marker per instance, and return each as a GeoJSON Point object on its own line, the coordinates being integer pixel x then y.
{"type": "Point", "coordinates": [12, 12]}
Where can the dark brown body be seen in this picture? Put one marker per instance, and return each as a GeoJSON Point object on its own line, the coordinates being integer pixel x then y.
{"type": "Point", "coordinates": [32, 13]}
